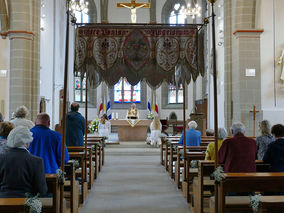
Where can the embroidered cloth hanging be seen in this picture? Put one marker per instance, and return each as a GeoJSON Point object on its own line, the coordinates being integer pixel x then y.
{"type": "Point", "coordinates": [153, 53]}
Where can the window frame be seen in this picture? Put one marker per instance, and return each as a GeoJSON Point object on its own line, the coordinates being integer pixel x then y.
{"type": "Point", "coordinates": [92, 94]}
{"type": "Point", "coordinates": [126, 105]}
{"type": "Point", "coordinates": [165, 99]}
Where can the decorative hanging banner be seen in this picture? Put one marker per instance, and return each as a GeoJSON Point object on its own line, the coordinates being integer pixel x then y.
{"type": "Point", "coordinates": [153, 53]}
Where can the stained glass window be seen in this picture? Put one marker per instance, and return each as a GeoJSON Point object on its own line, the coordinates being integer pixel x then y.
{"type": "Point", "coordinates": [80, 87]}
{"type": "Point", "coordinates": [125, 93]}
{"type": "Point", "coordinates": [175, 95]}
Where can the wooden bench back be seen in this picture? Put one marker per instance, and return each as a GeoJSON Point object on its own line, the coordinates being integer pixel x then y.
{"type": "Point", "coordinates": [53, 187]}
{"type": "Point", "coordinates": [252, 182]}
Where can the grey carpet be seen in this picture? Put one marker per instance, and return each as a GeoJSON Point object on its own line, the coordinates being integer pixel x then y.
{"type": "Point", "coordinates": [132, 180]}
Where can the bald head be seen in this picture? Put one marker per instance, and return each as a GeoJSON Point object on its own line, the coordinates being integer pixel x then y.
{"type": "Point", "coordinates": [43, 119]}
{"type": "Point", "coordinates": [75, 107]}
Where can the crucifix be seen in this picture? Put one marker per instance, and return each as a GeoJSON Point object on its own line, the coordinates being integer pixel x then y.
{"type": "Point", "coordinates": [254, 112]}
{"type": "Point", "coordinates": [133, 6]}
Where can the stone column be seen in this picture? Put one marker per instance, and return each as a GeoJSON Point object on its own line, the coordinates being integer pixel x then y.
{"type": "Point", "coordinates": [242, 51]}
{"type": "Point", "coordinates": [104, 11]}
{"type": "Point", "coordinates": [246, 90]}
{"type": "Point", "coordinates": [92, 12]}
{"type": "Point", "coordinates": [153, 6]}
{"type": "Point", "coordinates": [24, 55]}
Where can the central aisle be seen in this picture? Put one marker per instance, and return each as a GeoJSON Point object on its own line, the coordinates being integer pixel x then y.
{"type": "Point", "coordinates": [133, 180]}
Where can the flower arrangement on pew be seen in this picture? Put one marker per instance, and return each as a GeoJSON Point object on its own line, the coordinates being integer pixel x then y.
{"type": "Point", "coordinates": [33, 204]}
{"type": "Point", "coordinates": [93, 126]}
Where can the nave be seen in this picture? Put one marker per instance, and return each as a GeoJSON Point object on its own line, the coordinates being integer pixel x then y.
{"type": "Point", "coordinates": [133, 180]}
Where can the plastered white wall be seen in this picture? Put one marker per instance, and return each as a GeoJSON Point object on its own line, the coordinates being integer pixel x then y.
{"type": "Point", "coordinates": [272, 42]}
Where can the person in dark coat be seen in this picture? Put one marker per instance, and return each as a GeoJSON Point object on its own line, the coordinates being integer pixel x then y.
{"type": "Point", "coordinates": [21, 172]}
{"type": "Point", "coordinates": [275, 151]}
{"type": "Point", "coordinates": [238, 153]}
{"type": "Point", "coordinates": [75, 127]}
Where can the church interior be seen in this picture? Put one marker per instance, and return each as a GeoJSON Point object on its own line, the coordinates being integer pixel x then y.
{"type": "Point", "coordinates": [213, 63]}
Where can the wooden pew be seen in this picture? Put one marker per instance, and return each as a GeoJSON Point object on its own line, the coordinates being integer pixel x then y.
{"type": "Point", "coordinates": [12, 205]}
{"type": "Point", "coordinates": [71, 186]}
{"type": "Point", "coordinates": [99, 146]}
{"type": "Point", "coordinates": [271, 204]}
{"type": "Point", "coordinates": [247, 182]}
{"type": "Point", "coordinates": [101, 141]}
{"type": "Point", "coordinates": [89, 162]}
{"type": "Point", "coordinates": [84, 184]}
{"type": "Point", "coordinates": [189, 172]}
{"type": "Point", "coordinates": [193, 153]}
{"type": "Point", "coordinates": [203, 182]}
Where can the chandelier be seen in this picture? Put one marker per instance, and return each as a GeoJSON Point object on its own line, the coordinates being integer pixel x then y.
{"type": "Point", "coordinates": [78, 5]}
{"type": "Point", "coordinates": [191, 11]}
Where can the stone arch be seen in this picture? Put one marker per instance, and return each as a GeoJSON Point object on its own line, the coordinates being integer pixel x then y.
{"type": "Point", "coordinates": [173, 116]}
{"type": "Point", "coordinates": [167, 8]}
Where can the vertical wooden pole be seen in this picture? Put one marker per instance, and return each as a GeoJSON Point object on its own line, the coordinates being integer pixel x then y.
{"type": "Point", "coordinates": [254, 120]}
{"type": "Point", "coordinates": [215, 98]}
{"type": "Point", "coordinates": [86, 127]}
{"type": "Point", "coordinates": [64, 105]}
{"type": "Point", "coordinates": [184, 130]}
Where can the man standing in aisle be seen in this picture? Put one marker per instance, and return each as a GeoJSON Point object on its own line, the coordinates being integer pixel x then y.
{"type": "Point", "coordinates": [75, 127]}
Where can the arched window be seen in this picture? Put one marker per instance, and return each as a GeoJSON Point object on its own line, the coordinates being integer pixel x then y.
{"type": "Point", "coordinates": [175, 16]}
{"type": "Point", "coordinates": [125, 93]}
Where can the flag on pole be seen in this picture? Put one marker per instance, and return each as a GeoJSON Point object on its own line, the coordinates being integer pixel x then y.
{"type": "Point", "coordinates": [156, 109]}
{"type": "Point", "coordinates": [149, 107]}
{"type": "Point", "coordinates": [104, 108]}
{"type": "Point", "coordinates": [100, 109]}
{"type": "Point", "coordinates": [108, 110]}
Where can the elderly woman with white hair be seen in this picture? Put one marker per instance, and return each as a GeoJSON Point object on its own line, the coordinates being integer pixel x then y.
{"type": "Point", "coordinates": [21, 172]}
{"type": "Point", "coordinates": [210, 152]}
{"type": "Point", "coordinates": [239, 152]}
{"type": "Point", "coordinates": [193, 136]}
{"type": "Point", "coordinates": [20, 118]}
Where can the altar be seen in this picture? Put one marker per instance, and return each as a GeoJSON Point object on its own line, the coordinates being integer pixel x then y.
{"type": "Point", "coordinates": [131, 130]}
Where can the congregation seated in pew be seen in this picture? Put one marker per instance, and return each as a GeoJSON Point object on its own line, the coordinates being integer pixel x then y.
{"type": "Point", "coordinates": [193, 136]}
{"type": "Point", "coordinates": [210, 151]}
{"type": "Point", "coordinates": [239, 152]}
{"type": "Point", "coordinates": [264, 140]}
{"type": "Point", "coordinates": [47, 144]}
{"type": "Point", "coordinates": [20, 171]}
{"type": "Point", "coordinates": [104, 127]}
{"type": "Point", "coordinates": [5, 129]}
{"type": "Point", "coordinates": [275, 151]}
